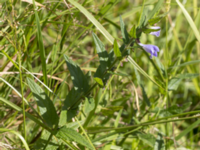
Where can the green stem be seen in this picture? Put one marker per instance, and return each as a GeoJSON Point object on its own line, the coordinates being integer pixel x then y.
{"type": "Point", "coordinates": [22, 93]}
{"type": "Point", "coordinates": [143, 124]}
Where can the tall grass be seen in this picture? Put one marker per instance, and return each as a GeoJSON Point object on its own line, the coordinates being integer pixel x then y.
{"type": "Point", "coordinates": [73, 74]}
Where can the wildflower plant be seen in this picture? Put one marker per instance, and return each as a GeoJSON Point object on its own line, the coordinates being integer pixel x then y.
{"type": "Point", "coordinates": [96, 107]}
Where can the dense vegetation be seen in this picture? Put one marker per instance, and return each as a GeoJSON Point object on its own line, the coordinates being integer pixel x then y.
{"type": "Point", "coordinates": [100, 74]}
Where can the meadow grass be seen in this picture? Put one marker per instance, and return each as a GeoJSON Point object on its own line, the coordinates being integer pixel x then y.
{"type": "Point", "coordinates": [74, 74]}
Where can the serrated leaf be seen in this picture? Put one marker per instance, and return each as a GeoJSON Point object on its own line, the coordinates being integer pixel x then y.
{"type": "Point", "coordinates": [78, 78]}
{"type": "Point", "coordinates": [117, 50]}
{"type": "Point", "coordinates": [67, 134]}
{"type": "Point", "coordinates": [70, 107]}
{"type": "Point", "coordinates": [46, 106]}
{"type": "Point", "coordinates": [103, 57]}
{"type": "Point", "coordinates": [89, 104]}
{"type": "Point", "coordinates": [124, 32]}
{"type": "Point", "coordinates": [101, 51]}
{"type": "Point", "coordinates": [99, 81]}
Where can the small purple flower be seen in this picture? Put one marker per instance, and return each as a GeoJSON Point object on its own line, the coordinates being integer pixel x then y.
{"type": "Point", "coordinates": [156, 33]}
{"type": "Point", "coordinates": [152, 49]}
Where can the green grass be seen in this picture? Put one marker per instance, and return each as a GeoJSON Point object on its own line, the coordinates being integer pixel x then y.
{"type": "Point", "coordinates": [62, 87]}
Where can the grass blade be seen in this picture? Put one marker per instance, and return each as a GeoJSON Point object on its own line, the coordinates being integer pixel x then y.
{"type": "Point", "coordinates": [41, 45]}
{"type": "Point", "coordinates": [17, 134]}
{"type": "Point", "coordinates": [93, 20]}
{"type": "Point", "coordinates": [190, 21]}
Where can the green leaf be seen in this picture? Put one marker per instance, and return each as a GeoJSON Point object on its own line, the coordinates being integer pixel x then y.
{"type": "Point", "coordinates": [161, 67]}
{"type": "Point", "coordinates": [70, 107]}
{"type": "Point", "coordinates": [110, 110]}
{"type": "Point", "coordinates": [101, 51]}
{"type": "Point", "coordinates": [89, 104]}
{"type": "Point", "coordinates": [133, 32]}
{"type": "Point", "coordinates": [67, 134]}
{"type": "Point", "coordinates": [154, 20]}
{"type": "Point", "coordinates": [77, 76]}
{"type": "Point", "coordinates": [143, 17]}
{"type": "Point", "coordinates": [111, 56]}
{"type": "Point", "coordinates": [41, 142]}
{"type": "Point", "coordinates": [117, 50]}
{"type": "Point", "coordinates": [157, 7]}
{"type": "Point", "coordinates": [147, 31]}
{"type": "Point", "coordinates": [149, 139]}
{"type": "Point", "coordinates": [74, 125]}
{"type": "Point", "coordinates": [125, 35]}
{"type": "Point", "coordinates": [103, 57]}
{"type": "Point", "coordinates": [99, 81]}
{"type": "Point", "coordinates": [174, 82]}
{"type": "Point", "coordinates": [46, 106]}
{"type": "Point", "coordinates": [159, 144]}
{"type": "Point", "coordinates": [144, 94]}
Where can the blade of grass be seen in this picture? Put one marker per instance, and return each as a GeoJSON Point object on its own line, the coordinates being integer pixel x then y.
{"type": "Point", "coordinates": [17, 108]}
{"type": "Point", "coordinates": [17, 134]}
{"type": "Point", "coordinates": [190, 21]}
{"type": "Point", "coordinates": [93, 20]}
{"type": "Point", "coordinates": [85, 133]}
{"type": "Point", "coordinates": [41, 45]}
{"type": "Point", "coordinates": [188, 129]}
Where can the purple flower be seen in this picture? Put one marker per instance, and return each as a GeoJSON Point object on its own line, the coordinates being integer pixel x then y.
{"type": "Point", "coordinates": [156, 33]}
{"type": "Point", "coordinates": [152, 49]}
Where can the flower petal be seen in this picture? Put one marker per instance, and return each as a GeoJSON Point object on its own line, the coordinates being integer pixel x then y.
{"type": "Point", "coordinates": [156, 33]}
{"type": "Point", "coordinates": [152, 49]}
